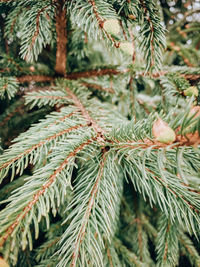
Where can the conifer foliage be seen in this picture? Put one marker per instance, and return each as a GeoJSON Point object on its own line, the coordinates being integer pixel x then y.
{"type": "Point", "coordinates": [100, 131]}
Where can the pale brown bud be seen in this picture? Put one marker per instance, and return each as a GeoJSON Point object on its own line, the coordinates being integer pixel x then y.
{"type": "Point", "coordinates": [112, 26]}
{"type": "Point", "coordinates": [3, 263]}
{"type": "Point", "coordinates": [162, 132]}
{"type": "Point", "coordinates": [32, 68]}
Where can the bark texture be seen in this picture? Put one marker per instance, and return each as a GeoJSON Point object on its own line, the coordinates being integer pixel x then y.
{"type": "Point", "coordinates": [61, 31]}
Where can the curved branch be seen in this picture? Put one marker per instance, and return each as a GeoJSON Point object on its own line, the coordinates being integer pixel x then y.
{"type": "Point", "coordinates": [41, 192]}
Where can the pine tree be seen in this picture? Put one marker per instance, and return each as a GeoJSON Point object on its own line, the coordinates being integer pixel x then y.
{"type": "Point", "coordinates": [100, 133]}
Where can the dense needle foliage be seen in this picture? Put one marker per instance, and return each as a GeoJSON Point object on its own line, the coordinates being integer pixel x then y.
{"type": "Point", "coordinates": [87, 175]}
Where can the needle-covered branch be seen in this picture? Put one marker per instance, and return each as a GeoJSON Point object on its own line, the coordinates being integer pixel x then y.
{"type": "Point", "coordinates": [31, 149]}
{"type": "Point", "coordinates": [95, 216]}
{"type": "Point", "coordinates": [39, 200]}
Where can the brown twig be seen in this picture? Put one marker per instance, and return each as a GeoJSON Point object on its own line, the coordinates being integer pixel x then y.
{"type": "Point", "coordinates": [109, 258]}
{"type": "Point", "coordinates": [71, 76]}
{"type": "Point", "coordinates": [141, 103]}
{"type": "Point", "coordinates": [140, 241]}
{"type": "Point", "coordinates": [186, 246]}
{"type": "Point", "coordinates": [50, 97]}
{"type": "Point", "coordinates": [100, 21]}
{"type": "Point", "coordinates": [132, 95]}
{"type": "Point", "coordinates": [50, 244]}
{"type": "Point", "coordinates": [166, 244]}
{"type": "Point", "coordinates": [35, 78]}
{"type": "Point", "coordinates": [190, 139]}
{"type": "Point", "coordinates": [100, 132]}
{"type": "Point", "coordinates": [98, 87]}
{"type": "Point", "coordinates": [97, 73]}
{"type": "Point", "coordinates": [123, 31]}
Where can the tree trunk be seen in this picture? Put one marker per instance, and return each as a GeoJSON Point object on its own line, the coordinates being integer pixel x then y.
{"type": "Point", "coordinates": [61, 31]}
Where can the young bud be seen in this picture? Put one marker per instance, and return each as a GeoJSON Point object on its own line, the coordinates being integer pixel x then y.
{"type": "Point", "coordinates": [112, 26]}
{"type": "Point", "coordinates": [127, 47]}
{"type": "Point", "coordinates": [32, 68]}
{"type": "Point", "coordinates": [162, 132]}
{"type": "Point", "coordinates": [192, 90]}
{"type": "Point", "coordinates": [3, 263]}
{"type": "Point", "coordinates": [131, 17]}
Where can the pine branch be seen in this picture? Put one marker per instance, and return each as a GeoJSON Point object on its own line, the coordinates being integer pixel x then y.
{"type": "Point", "coordinates": [188, 249]}
{"type": "Point", "coordinates": [38, 145]}
{"type": "Point", "coordinates": [63, 118]}
{"type": "Point", "coordinates": [47, 97]}
{"type": "Point", "coordinates": [71, 91]}
{"type": "Point", "coordinates": [95, 216]}
{"type": "Point", "coordinates": [128, 255]}
{"type": "Point", "coordinates": [100, 21]}
{"type": "Point", "coordinates": [153, 35]}
{"type": "Point", "coordinates": [154, 176]}
{"type": "Point", "coordinates": [156, 187]}
{"type": "Point", "coordinates": [180, 52]}
{"type": "Point", "coordinates": [110, 258]}
{"type": "Point", "coordinates": [28, 148]}
{"type": "Point", "coordinates": [150, 229]}
{"type": "Point", "coordinates": [40, 15]}
{"type": "Point", "coordinates": [97, 12]}
{"type": "Point", "coordinates": [22, 203]}
{"type": "Point", "coordinates": [87, 213]}
{"type": "Point", "coordinates": [8, 86]}
{"type": "Point", "coordinates": [167, 242]}
{"type": "Point", "coordinates": [133, 42]}
{"type": "Point", "coordinates": [151, 30]}
{"type": "Point", "coordinates": [134, 235]}
{"type": "Point", "coordinates": [13, 23]}
{"type": "Point", "coordinates": [52, 238]}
